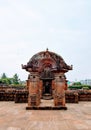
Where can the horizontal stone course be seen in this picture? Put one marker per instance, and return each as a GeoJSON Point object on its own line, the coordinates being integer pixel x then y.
{"type": "Point", "coordinates": [21, 96]}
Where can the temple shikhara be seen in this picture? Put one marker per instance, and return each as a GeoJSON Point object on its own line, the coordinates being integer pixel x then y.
{"type": "Point", "coordinates": [46, 79]}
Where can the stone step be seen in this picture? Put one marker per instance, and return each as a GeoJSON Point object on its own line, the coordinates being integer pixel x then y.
{"type": "Point", "coordinates": [47, 96]}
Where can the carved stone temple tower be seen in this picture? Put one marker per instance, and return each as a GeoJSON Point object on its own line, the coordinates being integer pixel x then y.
{"type": "Point", "coordinates": [46, 79]}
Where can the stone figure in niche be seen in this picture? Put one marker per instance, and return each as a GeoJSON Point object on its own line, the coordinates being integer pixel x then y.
{"type": "Point", "coordinates": [47, 86]}
{"type": "Point", "coordinates": [47, 72]}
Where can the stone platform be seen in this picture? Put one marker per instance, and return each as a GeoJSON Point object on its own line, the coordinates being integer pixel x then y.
{"type": "Point", "coordinates": [46, 105]}
{"type": "Point", "coordinates": [15, 117]}
{"type": "Point", "coordinates": [46, 108]}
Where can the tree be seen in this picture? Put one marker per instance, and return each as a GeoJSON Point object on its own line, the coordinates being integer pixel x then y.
{"type": "Point", "coordinates": [16, 79]}
{"type": "Point", "coordinates": [10, 81]}
{"type": "Point", "coordinates": [4, 79]}
{"type": "Point", "coordinates": [3, 76]}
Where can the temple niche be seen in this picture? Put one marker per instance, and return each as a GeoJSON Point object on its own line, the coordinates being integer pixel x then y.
{"type": "Point", "coordinates": [46, 79]}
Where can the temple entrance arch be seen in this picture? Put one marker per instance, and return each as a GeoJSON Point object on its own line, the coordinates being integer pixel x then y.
{"type": "Point", "coordinates": [46, 78]}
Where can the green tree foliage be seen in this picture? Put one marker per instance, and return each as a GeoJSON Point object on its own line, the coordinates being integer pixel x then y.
{"type": "Point", "coordinates": [13, 81]}
{"type": "Point", "coordinates": [16, 79]}
{"type": "Point", "coordinates": [79, 87]}
{"type": "Point", "coordinates": [8, 81]}
{"type": "Point", "coordinates": [4, 79]}
{"type": "Point", "coordinates": [77, 83]}
{"type": "Point", "coordinates": [3, 76]}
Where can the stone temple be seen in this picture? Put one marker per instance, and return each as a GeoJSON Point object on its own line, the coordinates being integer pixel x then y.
{"type": "Point", "coordinates": [46, 79]}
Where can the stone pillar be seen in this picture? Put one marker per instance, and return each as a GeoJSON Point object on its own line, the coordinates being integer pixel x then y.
{"type": "Point", "coordinates": [40, 87]}
{"type": "Point", "coordinates": [59, 91]}
{"type": "Point", "coordinates": [34, 93]}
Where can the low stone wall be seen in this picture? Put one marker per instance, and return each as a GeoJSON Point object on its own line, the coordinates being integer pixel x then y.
{"type": "Point", "coordinates": [7, 96]}
{"type": "Point", "coordinates": [21, 96]}
{"type": "Point", "coordinates": [84, 95]}
{"type": "Point", "coordinates": [71, 97]}
{"type": "Point", "coordinates": [13, 94]}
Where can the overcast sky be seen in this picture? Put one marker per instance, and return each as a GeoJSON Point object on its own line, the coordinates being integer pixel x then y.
{"type": "Point", "coordinates": [30, 26]}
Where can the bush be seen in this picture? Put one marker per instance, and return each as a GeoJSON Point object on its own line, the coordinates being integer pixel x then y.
{"type": "Point", "coordinates": [75, 87]}
{"type": "Point", "coordinates": [79, 87]}
{"type": "Point", "coordinates": [18, 86]}
{"type": "Point", "coordinates": [86, 88]}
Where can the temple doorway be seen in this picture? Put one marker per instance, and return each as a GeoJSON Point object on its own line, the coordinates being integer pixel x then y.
{"type": "Point", "coordinates": [47, 89]}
